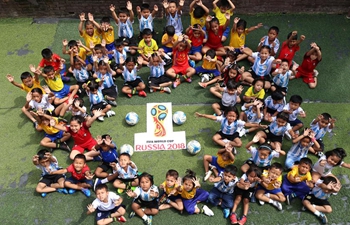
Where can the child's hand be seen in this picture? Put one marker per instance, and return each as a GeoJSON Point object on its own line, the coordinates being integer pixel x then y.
{"type": "Point", "coordinates": [302, 37]}
{"type": "Point", "coordinates": [10, 78]}
{"type": "Point", "coordinates": [89, 175]}
{"type": "Point", "coordinates": [140, 60]}
{"type": "Point", "coordinates": [121, 60]}
{"type": "Point", "coordinates": [196, 182]}
{"type": "Point", "coordinates": [32, 68]}
{"type": "Point", "coordinates": [52, 122]}
{"type": "Point", "coordinates": [185, 37]}
{"type": "Point", "coordinates": [65, 42]}
{"type": "Point", "coordinates": [240, 89]}
{"type": "Point", "coordinates": [82, 17]}
{"type": "Point", "coordinates": [138, 9]}
{"type": "Point", "coordinates": [130, 193]}
{"type": "Point", "coordinates": [35, 158]}
{"type": "Point", "coordinates": [297, 179]}
{"type": "Point", "coordinates": [113, 165]}
{"type": "Point", "coordinates": [165, 4]}
{"type": "Point", "coordinates": [91, 17]}
{"type": "Point", "coordinates": [155, 8]}
{"type": "Point", "coordinates": [197, 114]}
{"type": "Point", "coordinates": [161, 186]}
{"type": "Point", "coordinates": [279, 70]}
{"type": "Point", "coordinates": [79, 43]}
{"type": "Point", "coordinates": [181, 3]}
{"type": "Point", "coordinates": [332, 120]}
{"type": "Point", "coordinates": [302, 114]}
{"type": "Point", "coordinates": [199, 2]}
{"type": "Point", "coordinates": [153, 194]}
{"type": "Point", "coordinates": [99, 140]}
{"type": "Point", "coordinates": [227, 16]}
{"type": "Point", "coordinates": [259, 25]}
{"type": "Point", "coordinates": [307, 132]}
{"type": "Point", "coordinates": [236, 19]}
{"type": "Point", "coordinates": [294, 33]}
{"type": "Point", "coordinates": [70, 101]}
{"type": "Point", "coordinates": [129, 5]}
{"type": "Point", "coordinates": [180, 38]}
{"type": "Point", "coordinates": [103, 43]}
{"type": "Point", "coordinates": [209, 18]}
{"type": "Point", "coordinates": [91, 44]}
{"type": "Point", "coordinates": [277, 184]}
{"type": "Point", "coordinates": [211, 179]}
{"type": "Point", "coordinates": [336, 187]}
{"type": "Point", "coordinates": [90, 208]}
{"type": "Point", "coordinates": [46, 89]}
{"type": "Point", "coordinates": [29, 96]}
{"type": "Point", "coordinates": [108, 140]}
{"type": "Point", "coordinates": [241, 70]}
{"type": "Point", "coordinates": [106, 59]}
{"type": "Point", "coordinates": [94, 58]}
{"type": "Point", "coordinates": [112, 7]}
{"type": "Point", "coordinates": [262, 40]}
{"type": "Point", "coordinates": [172, 192]}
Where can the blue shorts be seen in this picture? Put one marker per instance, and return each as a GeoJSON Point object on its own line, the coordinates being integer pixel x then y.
{"type": "Point", "coordinates": [100, 215]}
{"type": "Point", "coordinates": [63, 92]}
{"type": "Point", "coordinates": [238, 50]}
{"type": "Point", "coordinates": [214, 162]}
{"type": "Point", "coordinates": [226, 32]}
{"type": "Point", "coordinates": [295, 122]}
{"type": "Point", "coordinates": [200, 69]}
{"type": "Point", "coordinates": [63, 70]}
{"type": "Point", "coordinates": [54, 137]}
{"type": "Point", "coordinates": [110, 47]}
{"type": "Point", "coordinates": [167, 49]}
{"type": "Point", "coordinates": [195, 49]}
{"type": "Point", "coordinates": [89, 60]}
{"type": "Point", "coordinates": [76, 181]}
{"type": "Point", "coordinates": [273, 191]}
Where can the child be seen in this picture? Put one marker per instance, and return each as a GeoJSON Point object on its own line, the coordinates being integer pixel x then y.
{"type": "Point", "coordinates": [81, 178]}
{"type": "Point", "coordinates": [120, 55]}
{"type": "Point", "coordinates": [229, 96]}
{"type": "Point", "coordinates": [222, 192]}
{"type": "Point", "coordinates": [173, 15]}
{"type": "Point", "coordinates": [147, 45]}
{"type": "Point", "coordinates": [320, 126]}
{"type": "Point", "coordinates": [307, 68]}
{"type": "Point", "coordinates": [191, 194]}
{"type": "Point", "coordinates": [281, 77]}
{"type": "Point", "coordinates": [294, 110]}
{"type": "Point", "coordinates": [79, 70]}
{"type": "Point", "coordinates": [226, 7]}
{"type": "Point", "coordinates": [145, 17]}
{"type": "Point", "coordinates": [76, 108]}
{"type": "Point", "coordinates": [245, 190]}
{"type": "Point", "coordinates": [124, 173]}
{"type": "Point", "coordinates": [46, 162]}
{"type": "Point", "coordinates": [217, 164]}
{"type": "Point", "coordinates": [157, 80]}
{"type": "Point", "coordinates": [198, 13]}
{"type": "Point", "coordinates": [269, 189]}
{"type": "Point", "coordinates": [262, 156]}
{"type": "Point", "coordinates": [79, 50]}
{"type": "Point", "coordinates": [273, 105]}
{"type": "Point", "coordinates": [215, 33]}
{"type": "Point", "coordinates": [168, 39]}
{"type": "Point", "coordinates": [145, 203]}
{"type": "Point", "coordinates": [298, 182]}
{"type": "Point", "coordinates": [209, 68]}
{"type": "Point", "coordinates": [271, 40]}
{"type": "Point", "coordinates": [52, 59]}
{"type": "Point", "coordinates": [238, 35]}
{"type": "Point", "coordinates": [197, 36]}
{"type": "Point", "coordinates": [180, 61]}
{"type": "Point", "coordinates": [301, 146]}
{"type": "Point", "coordinates": [108, 206]}
{"type": "Point", "coordinates": [170, 198]}
{"type": "Point", "coordinates": [256, 91]}
{"type": "Point", "coordinates": [253, 114]}
{"type": "Point", "coordinates": [290, 47]}
{"type": "Point", "coordinates": [133, 84]}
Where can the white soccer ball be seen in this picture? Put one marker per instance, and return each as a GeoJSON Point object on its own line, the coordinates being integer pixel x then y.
{"type": "Point", "coordinates": [179, 117]}
{"type": "Point", "coordinates": [205, 78]}
{"type": "Point", "coordinates": [126, 148]}
{"type": "Point", "coordinates": [132, 118]}
{"type": "Point", "coordinates": [193, 147]}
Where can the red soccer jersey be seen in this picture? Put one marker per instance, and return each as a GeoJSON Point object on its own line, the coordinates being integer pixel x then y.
{"type": "Point", "coordinates": [55, 62]}
{"type": "Point", "coordinates": [288, 53]}
{"type": "Point", "coordinates": [180, 58]}
{"type": "Point", "coordinates": [75, 174]}
{"type": "Point", "coordinates": [307, 66]}
{"type": "Point", "coordinates": [214, 40]}
{"type": "Point", "coordinates": [82, 136]}
{"type": "Point", "coordinates": [195, 42]}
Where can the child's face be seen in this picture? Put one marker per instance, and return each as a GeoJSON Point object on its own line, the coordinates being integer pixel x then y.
{"type": "Point", "coordinates": [223, 9]}
{"type": "Point", "coordinates": [251, 177]}
{"type": "Point", "coordinates": [293, 105]}
{"type": "Point", "coordinates": [225, 156]}
{"type": "Point", "coordinates": [147, 38]}
{"type": "Point", "coordinates": [130, 66]}
{"type": "Point", "coordinates": [280, 122]}
{"type": "Point", "coordinates": [305, 142]}
{"type": "Point", "coordinates": [214, 26]}
{"type": "Point", "coordinates": [323, 123]}
{"type": "Point", "coordinates": [258, 86]}
{"type": "Point", "coordinates": [172, 7]}
{"type": "Point", "coordinates": [124, 161]}
{"type": "Point", "coordinates": [264, 153]}
{"type": "Point", "coordinates": [75, 126]}
{"type": "Point", "coordinates": [284, 66]}
{"type": "Point", "coordinates": [277, 101]}
{"type": "Point", "coordinates": [303, 168]}
{"type": "Point", "coordinates": [156, 61]}
{"type": "Point", "coordinates": [170, 181]}
{"type": "Point", "coordinates": [313, 56]}
{"type": "Point", "coordinates": [51, 75]}
{"type": "Point", "coordinates": [333, 160]}
{"type": "Point", "coordinates": [123, 17]}
{"type": "Point", "coordinates": [264, 53]}
{"type": "Point", "coordinates": [102, 69]}
{"type": "Point", "coordinates": [291, 43]}
{"type": "Point", "coordinates": [45, 121]}
{"type": "Point", "coordinates": [99, 53]}
{"type": "Point", "coordinates": [28, 82]}
{"type": "Point", "coordinates": [188, 185]}
{"type": "Point", "coordinates": [36, 96]}
{"type": "Point", "coordinates": [89, 29]}
{"type": "Point", "coordinates": [274, 173]}
{"type": "Point", "coordinates": [196, 34]}
{"type": "Point", "coordinates": [272, 35]}
{"type": "Point", "coordinates": [232, 73]}
{"type": "Point", "coordinates": [231, 116]}
{"type": "Point", "coordinates": [231, 91]}
{"type": "Point", "coordinates": [228, 177]}
{"type": "Point", "coordinates": [145, 183]}
{"type": "Point", "coordinates": [75, 49]}
{"type": "Point", "coordinates": [145, 13]}
{"type": "Point", "coordinates": [181, 46]}
{"type": "Point", "coordinates": [44, 162]}
{"type": "Point", "coordinates": [120, 48]}
{"type": "Point", "coordinates": [78, 164]}
{"type": "Point", "coordinates": [240, 30]}
{"type": "Point", "coordinates": [78, 65]}
{"type": "Point", "coordinates": [102, 195]}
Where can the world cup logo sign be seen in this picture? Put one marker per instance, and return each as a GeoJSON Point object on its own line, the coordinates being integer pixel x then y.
{"type": "Point", "coordinates": [159, 113]}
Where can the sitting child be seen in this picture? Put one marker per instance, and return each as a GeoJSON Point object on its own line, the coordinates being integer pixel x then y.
{"type": "Point", "coordinates": [157, 80]}
{"type": "Point", "coordinates": [273, 105]}
{"type": "Point", "coordinates": [209, 69]}
{"type": "Point", "coordinates": [124, 173]}
{"type": "Point", "coordinates": [170, 198]}
{"type": "Point", "coordinates": [294, 110]}
{"type": "Point", "coordinates": [254, 92]}
{"type": "Point", "coordinates": [253, 114]}
{"type": "Point", "coordinates": [281, 77]}
{"type": "Point", "coordinates": [322, 124]}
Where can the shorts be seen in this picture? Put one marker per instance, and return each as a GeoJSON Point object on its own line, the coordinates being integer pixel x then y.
{"type": "Point", "coordinates": [200, 69]}
{"type": "Point", "coordinates": [100, 105]}
{"type": "Point", "coordinates": [316, 201]}
{"type": "Point", "coordinates": [214, 162]}
{"type": "Point", "coordinates": [134, 83]}
{"type": "Point", "coordinates": [156, 81]}
{"type": "Point", "coordinates": [76, 181]}
{"type": "Point", "coordinates": [54, 137]}
{"type": "Point", "coordinates": [250, 163]}
{"type": "Point", "coordinates": [147, 204]}
{"type": "Point", "coordinates": [89, 60]}
{"type": "Point", "coordinates": [100, 215]}
{"type": "Point", "coordinates": [172, 198]}
{"type": "Point", "coordinates": [265, 78]}
{"type": "Point", "coordinates": [63, 92]}
{"type": "Point", "coordinates": [273, 191]}
{"type": "Point", "coordinates": [295, 122]}
{"type": "Point", "coordinates": [167, 49]}
{"type": "Point", "coordinates": [195, 49]}
{"type": "Point", "coordinates": [226, 32]}
{"type": "Point", "coordinates": [105, 166]}
{"type": "Point", "coordinates": [214, 46]}
{"type": "Point", "coordinates": [110, 47]}
{"type": "Point", "coordinates": [227, 136]}
{"type": "Point", "coordinates": [244, 193]}
{"type": "Point", "coordinates": [238, 50]}
{"type": "Point", "coordinates": [306, 79]}
{"type": "Point", "coordinates": [279, 88]}
{"type": "Point", "coordinates": [222, 107]}
{"type": "Point", "coordinates": [271, 137]}
{"type": "Point", "coordinates": [87, 145]}
{"type": "Point", "coordinates": [181, 69]}
{"type": "Point", "coordinates": [111, 91]}
{"type": "Point", "coordinates": [51, 179]}
{"type": "Point", "coordinates": [125, 181]}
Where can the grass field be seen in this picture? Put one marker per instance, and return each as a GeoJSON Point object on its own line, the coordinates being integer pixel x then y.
{"type": "Point", "coordinates": [21, 45]}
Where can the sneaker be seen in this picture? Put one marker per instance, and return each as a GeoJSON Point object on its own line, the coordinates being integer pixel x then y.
{"type": "Point", "coordinates": [303, 208]}
{"type": "Point", "coordinates": [241, 132]}
{"type": "Point", "coordinates": [151, 90]}
{"type": "Point", "coordinates": [204, 78]}
{"type": "Point", "coordinates": [207, 175]}
{"type": "Point", "coordinates": [192, 63]}
{"type": "Point", "coordinates": [261, 202]}
{"type": "Point", "coordinates": [129, 95]}
{"type": "Point", "coordinates": [142, 94]}
{"type": "Point", "coordinates": [163, 199]}
{"type": "Point", "coordinates": [243, 220]}
{"type": "Point", "coordinates": [203, 85]}
{"type": "Point", "coordinates": [167, 89]}
{"type": "Point", "coordinates": [43, 194]}
{"type": "Point", "coordinates": [188, 79]}
{"type": "Point", "coordinates": [86, 192]}
{"type": "Point", "coordinates": [289, 198]}
{"type": "Point", "coordinates": [132, 214]}
{"type": "Point", "coordinates": [176, 83]}
{"type": "Point", "coordinates": [64, 146]}
{"type": "Point", "coordinates": [212, 167]}
{"type": "Point", "coordinates": [207, 211]}
{"type": "Point", "coordinates": [110, 113]}
{"type": "Point", "coordinates": [323, 218]}
{"type": "Point", "coordinates": [277, 204]}
{"type": "Point", "coordinates": [148, 221]}
{"type": "Point", "coordinates": [234, 151]}
{"type": "Point", "coordinates": [100, 118]}
{"type": "Point", "coordinates": [287, 135]}
{"type": "Point", "coordinates": [97, 182]}
{"type": "Point", "coordinates": [226, 213]}
{"type": "Point", "coordinates": [320, 154]}
{"type": "Point", "coordinates": [253, 199]}
{"type": "Point", "coordinates": [315, 73]}
{"type": "Point", "coordinates": [112, 103]}
{"type": "Point", "coordinates": [71, 191]}
{"type": "Point", "coordinates": [62, 190]}
{"type": "Point", "coordinates": [121, 219]}
{"type": "Point", "coordinates": [233, 218]}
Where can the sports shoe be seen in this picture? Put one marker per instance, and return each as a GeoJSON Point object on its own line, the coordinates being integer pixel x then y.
{"type": "Point", "coordinates": [226, 213]}
{"type": "Point", "coordinates": [192, 63]}
{"type": "Point", "coordinates": [64, 146]}
{"type": "Point", "coordinates": [290, 198]}
{"type": "Point", "coordinates": [62, 190]}
{"type": "Point", "coordinates": [176, 83]}
{"type": "Point", "coordinates": [233, 218]}
{"type": "Point", "coordinates": [148, 221]}
{"type": "Point", "coordinates": [287, 135]}
{"type": "Point", "coordinates": [142, 94]}
{"type": "Point", "coordinates": [212, 167]}
{"type": "Point", "coordinates": [203, 85]}
{"type": "Point", "coordinates": [188, 79]}
{"type": "Point", "coordinates": [112, 103]}
{"type": "Point", "coordinates": [129, 95]}
{"type": "Point", "coordinates": [151, 90]}
{"type": "Point", "coordinates": [163, 199]}
{"type": "Point", "coordinates": [315, 73]}
{"type": "Point", "coordinates": [204, 78]}
{"type": "Point", "coordinates": [323, 218]}
{"type": "Point", "coordinates": [277, 204]}
{"type": "Point", "coordinates": [207, 211]}
{"type": "Point", "coordinates": [207, 175]}
{"type": "Point", "coordinates": [110, 113]}
{"type": "Point", "coordinates": [303, 208]}
{"type": "Point", "coordinates": [243, 220]}
{"type": "Point", "coordinates": [121, 219]}
{"type": "Point", "coordinates": [261, 202]}
{"type": "Point", "coordinates": [43, 194]}
{"type": "Point", "coordinates": [86, 192]}
{"type": "Point", "coordinates": [132, 214]}
{"type": "Point", "coordinates": [97, 182]}
{"type": "Point", "coordinates": [167, 89]}
{"type": "Point", "coordinates": [71, 191]}
{"type": "Point", "coordinates": [320, 154]}
{"type": "Point", "coordinates": [242, 132]}
{"type": "Point", "coordinates": [100, 118]}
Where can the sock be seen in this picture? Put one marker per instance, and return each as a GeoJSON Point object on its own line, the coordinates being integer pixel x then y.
{"type": "Point", "coordinates": [114, 219]}
{"type": "Point", "coordinates": [201, 211]}
{"type": "Point", "coordinates": [166, 56]}
{"type": "Point", "coordinates": [144, 217]}
{"type": "Point", "coordinates": [104, 180]}
{"type": "Point", "coordinates": [317, 213]}
{"type": "Point", "coordinates": [133, 91]}
{"type": "Point", "coordinates": [270, 201]}
{"type": "Point", "coordinates": [58, 142]}
{"type": "Point", "coordinates": [185, 76]}
{"type": "Point", "coordinates": [161, 88]}
{"type": "Point", "coordinates": [177, 76]}
{"type": "Point", "coordinates": [293, 195]}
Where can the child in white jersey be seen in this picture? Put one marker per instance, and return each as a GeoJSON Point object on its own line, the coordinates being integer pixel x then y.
{"type": "Point", "coordinates": [281, 77]}
{"type": "Point", "coordinates": [273, 105]}
{"type": "Point", "coordinates": [322, 124]}
{"type": "Point", "coordinates": [157, 80]}
{"type": "Point", "coordinates": [146, 17]}
{"type": "Point", "coordinates": [173, 15]}
{"type": "Point", "coordinates": [253, 114]}
{"type": "Point", "coordinates": [294, 110]}
{"type": "Point", "coordinates": [133, 84]}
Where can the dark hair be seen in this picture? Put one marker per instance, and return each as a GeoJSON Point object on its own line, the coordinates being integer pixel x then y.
{"type": "Point", "coordinates": [105, 19]}
{"type": "Point", "coordinates": [282, 115]}
{"type": "Point", "coordinates": [231, 109]}
{"type": "Point", "coordinates": [306, 137]}
{"type": "Point", "coordinates": [125, 154]}
{"type": "Point", "coordinates": [296, 99]}
{"type": "Point", "coordinates": [146, 31]}
{"type": "Point", "coordinates": [285, 60]}
{"type": "Point", "coordinates": [170, 30]}
{"type": "Point", "coordinates": [93, 85]}
{"type": "Point", "coordinates": [326, 116]}
{"type": "Point", "coordinates": [254, 168]}
{"type": "Point", "coordinates": [37, 90]}
{"type": "Point", "coordinates": [172, 173]}
{"type": "Point", "coordinates": [277, 96]}
{"type": "Point", "coordinates": [102, 63]}
{"type": "Point", "coordinates": [265, 146]}
{"type": "Point", "coordinates": [72, 43]}
{"type": "Point", "coordinates": [100, 187]}
{"type": "Point", "coordinates": [232, 54]}
{"type": "Point", "coordinates": [306, 161]}
{"type": "Point", "coordinates": [130, 59]}
{"type": "Point", "coordinates": [145, 6]}
{"type": "Point", "coordinates": [80, 100]}
{"type": "Point", "coordinates": [295, 37]}
{"type": "Point", "coordinates": [211, 53]}
{"type": "Point", "coordinates": [231, 84]}
{"type": "Point", "coordinates": [233, 67]}
{"type": "Point", "coordinates": [98, 47]}
{"type": "Point", "coordinates": [119, 42]}
{"type": "Point", "coordinates": [224, 3]}
{"type": "Point", "coordinates": [25, 75]}
{"type": "Point", "coordinates": [190, 175]}
{"type": "Point", "coordinates": [275, 29]}
{"type": "Point", "coordinates": [319, 47]}
{"type": "Point", "coordinates": [172, 1]}
{"type": "Point", "coordinates": [41, 154]}
{"type": "Point", "coordinates": [329, 179]}
{"type": "Point", "coordinates": [198, 12]}
{"type": "Point", "coordinates": [257, 80]}
{"type": "Point", "coordinates": [265, 47]}
{"type": "Point", "coordinates": [104, 136]}
{"type": "Point", "coordinates": [48, 69]}
{"type": "Point", "coordinates": [77, 118]}
{"type": "Point", "coordinates": [123, 10]}
{"type": "Point", "coordinates": [88, 22]}
{"type": "Point", "coordinates": [214, 20]}
{"type": "Point", "coordinates": [80, 156]}
{"type": "Point", "coordinates": [146, 175]}
{"type": "Point", "coordinates": [338, 152]}
{"type": "Point", "coordinates": [276, 165]}
{"type": "Point", "coordinates": [232, 169]}
{"type": "Point", "coordinates": [242, 23]}
{"type": "Point", "coordinates": [46, 53]}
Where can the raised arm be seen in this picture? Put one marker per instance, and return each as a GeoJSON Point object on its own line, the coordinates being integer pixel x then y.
{"type": "Point", "coordinates": [81, 23]}
{"type": "Point", "coordinates": [12, 81]}
{"type": "Point", "coordinates": [212, 117]}
{"type": "Point", "coordinates": [131, 13]}
{"type": "Point", "coordinates": [114, 15]}
{"type": "Point", "coordinates": [301, 39]}
{"type": "Point", "coordinates": [254, 27]}
{"type": "Point", "coordinates": [154, 11]}
{"type": "Point", "coordinates": [227, 16]}
{"type": "Point", "coordinates": [232, 5]}
{"type": "Point", "coordinates": [179, 9]}
{"type": "Point", "coordinates": [97, 25]}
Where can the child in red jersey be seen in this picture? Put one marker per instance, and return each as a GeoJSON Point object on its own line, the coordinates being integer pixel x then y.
{"type": "Point", "coordinates": [290, 47]}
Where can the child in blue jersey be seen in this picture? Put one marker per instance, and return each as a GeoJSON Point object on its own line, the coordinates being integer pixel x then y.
{"type": "Point", "coordinates": [46, 162]}
{"type": "Point", "coordinates": [253, 114]}
{"type": "Point", "coordinates": [270, 40]}
{"type": "Point", "coordinates": [145, 203]}
{"type": "Point", "coordinates": [276, 130]}
{"type": "Point", "coordinates": [229, 96]}
{"type": "Point", "coordinates": [157, 80]}
{"type": "Point", "coordinates": [301, 146]}
{"type": "Point", "coordinates": [192, 194]}
{"type": "Point", "coordinates": [222, 192]}
{"type": "Point", "coordinates": [294, 110]}
{"type": "Point", "coordinates": [173, 15]}
{"type": "Point", "coordinates": [262, 156]}
{"type": "Point", "coordinates": [317, 201]}
{"type": "Point", "coordinates": [273, 105]}
{"type": "Point", "coordinates": [320, 126]}
{"type": "Point", "coordinates": [298, 182]}
{"type": "Point", "coordinates": [125, 172]}
{"type": "Point", "coordinates": [79, 70]}
{"type": "Point", "coordinates": [281, 77]}
{"type": "Point", "coordinates": [261, 67]}
{"type": "Point", "coordinates": [133, 84]}
{"type": "Point", "coordinates": [245, 190]}
{"type": "Point", "coordinates": [120, 55]}
{"type": "Point", "coordinates": [145, 17]}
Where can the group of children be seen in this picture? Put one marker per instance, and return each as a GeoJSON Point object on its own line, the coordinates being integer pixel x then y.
{"type": "Point", "coordinates": [101, 59]}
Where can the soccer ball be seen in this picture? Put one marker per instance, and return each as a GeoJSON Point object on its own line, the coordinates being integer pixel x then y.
{"type": "Point", "coordinates": [179, 117]}
{"type": "Point", "coordinates": [193, 147]}
{"type": "Point", "coordinates": [126, 148]}
{"type": "Point", "coordinates": [132, 118]}
{"type": "Point", "coordinates": [205, 78]}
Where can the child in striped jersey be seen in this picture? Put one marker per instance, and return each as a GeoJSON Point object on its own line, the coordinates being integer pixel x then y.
{"type": "Point", "coordinates": [253, 114]}
{"type": "Point", "coordinates": [322, 124]}
{"type": "Point", "coordinates": [271, 40]}
{"type": "Point", "coordinates": [146, 17]}
{"type": "Point", "coordinates": [157, 80]}
{"type": "Point", "coordinates": [124, 173]}
{"type": "Point", "coordinates": [170, 198]}
{"type": "Point", "coordinates": [273, 105]}
{"type": "Point", "coordinates": [133, 83]}
{"type": "Point", "coordinates": [79, 70]}
{"type": "Point", "coordinates": [281, 77]}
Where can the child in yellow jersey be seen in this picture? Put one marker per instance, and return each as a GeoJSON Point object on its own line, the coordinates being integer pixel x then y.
{"type": "Point", "coordinates": [191, 194]}
{"type": "Point", "coordinates": [209, 69]}
{"type": "Point", "coordinates": [217, 164]}
{"type": "Point", "coordinates": [298, 182]}
{"type": "Point", "coordinates": [226, 6]}
{"type": "Point", "coordinates": [78, 50]}
{"type": "Point", "coordinates": [170, 198]}
{"type": "Point", "coordinates": [147, 45]}
{"type": "Point", "coordinates": [269, 189]}
{"type": "Point", "coordinates": [198, 13]}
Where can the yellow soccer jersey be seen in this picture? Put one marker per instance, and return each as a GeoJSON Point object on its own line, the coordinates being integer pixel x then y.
{"type": "Point", "coordinates": [147, 48]}
{"type": "Point", "coordinates": [209, 65]}
{"type": "Point", "coordinates": [250, 93]}
{"type": "Point", "coordinates": [48, 129]}
{"type": "Point", "coordinates": [36, 84]}
{"type": "Point", "coordinates": [295, 173]}
{"type": "Point", "coordinates": [223, 163]}
{"type": "Point", "coordinates": [188, 194]}
{"type": "Point", "coordinates": [55, 84]}
{"type": "Point", "coordinates": [221, 16]}
{"type": "Point", "coordinates": [200, 21]}
{"type": "Point", "coordinates": [238, 41]}
{"type": "Point", "coordinates": [169, 189]}
{"type": "Point", "coordinates": [170, 44]}
{"type": "Point", "coordinates": [95, 38]}
{"type": "Point", "coordinates": [108, 35]}
{"type": "Point", "coordinates": [270, 186]}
